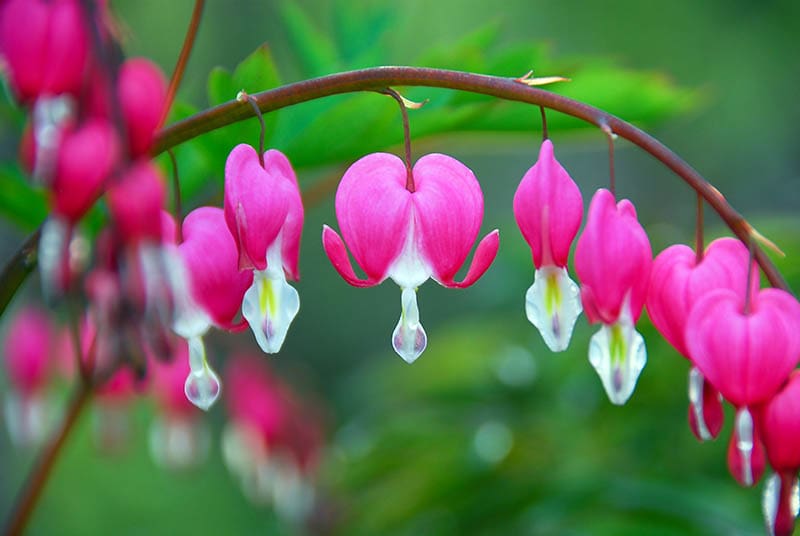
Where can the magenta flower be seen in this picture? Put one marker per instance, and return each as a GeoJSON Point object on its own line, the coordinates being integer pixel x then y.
{"type": "Point", "coordinates": [266, 443]}
{"type": "Point", "coordinates": [142, 92]}
{"type": "Point", "coordinates": [746, 354]}
{"type": "Point", "coordinates": [780, 425]}
{"type": "Point", "coordinates": [677, 282]}
{"type": "Point", "coordinates": [409, 236]}
{"type": "Point", "coordinates": [87, 156]}
{"type": "Point", "coordinates": [178, 436]}
{"type": "Point", "coordinates": [264, 213]}
{"type": "Point", "coordinates": [613, 260]}
{"type": "Point", "coordinates": [45, 45]}
{"type": "Point", "coordinates": [217, 287]}
{"type": "Point", "coordinates": [135, 201]}
{"type": "Point", "coordinates": [29, 368]}
{"type": "Point", "coordinates": [549, 209]}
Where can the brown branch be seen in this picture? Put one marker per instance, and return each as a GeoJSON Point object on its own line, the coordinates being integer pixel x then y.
{"type": "Point", "coordinates": [377, 78]}
{"type": "Point", "coordinates": [17, 268]}
{"type": "Point", "coordinates": [183, 58]}
{"type": "Point", "coordinates": [34, 484]}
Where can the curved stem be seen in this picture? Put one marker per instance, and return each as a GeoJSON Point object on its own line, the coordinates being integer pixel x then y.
{"type": "Point", "coordinates": [177, 208]}
{"type": "Point", "coordinates": [183, 58]}
{"type": "Point", "coordinates": [377, 78]}
{"type": "Point", "coordinates": [699, 241]}
{"type": "Point", "coordinates": [34, 484]}
{"type": "Point", "coordinates": [18, 267]}
{"type": "Point", "coordinates": [406, 136]}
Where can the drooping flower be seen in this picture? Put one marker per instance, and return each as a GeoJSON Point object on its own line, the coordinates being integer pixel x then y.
{"type": "Point", "coordinates": [29, 367]}
{"type": "Point", "coordinates": [142, 92]}
{"type": "Point", "coordinates": [271, 440]}
{"type": "Point", "coordinates": [264, 213]}
{"type": "Point", "coordinates": [747, 355]}
{"type": "Point", "coordinates": [178, 436]}
{"type": "Point", "coordinates": [87, 155]}
{"type": "Point", "coordinates": [677, 281]}
{"type": "Point", "coordinates": [45, 48]}
{"type": "Point", "coordinates": [45, 45]}
{"type": "Point", "coordinates": [780, 425]}
{"type": "Point", "coordinates": [548, 208]}
{"type": "Point", "coordinates": [613, 260]}
{"type": "Point", "coordinates": [409, 236]}
{"type": "Point", "coordinates": [217, 286]}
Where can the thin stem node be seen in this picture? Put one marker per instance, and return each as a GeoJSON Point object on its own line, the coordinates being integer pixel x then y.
{"type": "Point", "coordinates": [403, 102]}
{"type": "Point", "coordinates": [699, 242]}
{"type": "Point", "coordinates": [244, 97]}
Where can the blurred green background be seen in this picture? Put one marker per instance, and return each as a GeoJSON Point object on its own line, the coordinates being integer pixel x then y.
{"type": "Point", "coordinates": [488, 433]}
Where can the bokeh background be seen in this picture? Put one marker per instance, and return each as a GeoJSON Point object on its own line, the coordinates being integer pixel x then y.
{"type": "Point", "coordinates": [488, 433]}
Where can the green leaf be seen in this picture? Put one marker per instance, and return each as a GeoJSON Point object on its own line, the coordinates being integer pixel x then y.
{"type": "Point", "coordinates": [21, 203]}
{"type": "Point", "coordinates": [315, 51]}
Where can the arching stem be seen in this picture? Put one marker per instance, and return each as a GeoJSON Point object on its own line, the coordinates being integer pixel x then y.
{"type": "Point", "coordinates": [545, 136]}
{"type": "Point", "coordinates": [406, 136]}
{"type": "Point", "coordinates": [244, 97]}
{"type": "Point", "coordinates": [177, 209]}
{"type": "Point", "coordinates": [183, 58]}
{"type": "Point", "coordinates": [699, 243]}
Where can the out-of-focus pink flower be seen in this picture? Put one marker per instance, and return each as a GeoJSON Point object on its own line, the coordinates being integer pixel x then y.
{"type": "Point", "coordinates": [45, 45]}
{"type": "Point", "coordinates": [613, 260]}
{"type": "Point", "coordinates": [409, 236]}
{"type": "Point", "coordinates": [136, 201]}
{"type": "Point", "coordinates": [780, 427]}
{"type": "Point", "coordinates": [142, 92]}
{"type": "Point", "coordinates": [272, 441]}
{"type": "Point", "coordinates": [747, 355]}
{"type": "Point", "coordinates": [548, 208]}
{"type": "Point", "coordinates": [264, 213]}
{"type": "Point", "coordinates": [677, 281]}
{"type": "Point", "coordinates": [27, 351]}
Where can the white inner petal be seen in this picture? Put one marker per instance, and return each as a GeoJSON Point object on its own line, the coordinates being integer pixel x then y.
{"type": "Point", "coordinates": [553, 304]}
{"type": "Point", "coordinates": [409, 339]}
{"type": "Point", "coordinates": [410, 270]}
{"type": "Point", "coordinates": [744, 443]}
{"type": "Point", "coordinates": [202, 386]}
{"type": "Point", "coordinates": [189, 319]}
{"type": "Point", "coordinates": [617, 352]}
{"type": "Point", "coordinates": [49, 114]}
{"type": "Point", "coordinates": [696, 388]}
{"type": "Point", "coordinates": [270, 304]}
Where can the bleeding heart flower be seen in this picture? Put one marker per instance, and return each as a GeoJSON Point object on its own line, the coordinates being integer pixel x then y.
{"type": "Point", "coordinates": [409, 236]}
{"type": "Point", "coordinates": [86, 157]}
{"type": "Point", "coordinates": [264, 213]}
{"type": "Point", "coordinates": [549, 209]}
{"type": "Point", "coordinates": [29, 368]}
{"type": "Point", "coordinates": [217, 286]}
{"type": "Point", "coordinates": [45, 45]}
{"type": "Point", "coordinates": [136, 200]}
{"type": "Point", "coordinates": [747, 355]}
{"type": "Point", "coordinates": [780, 427]}
{"type": "Point", "coordinates": [677, 281]}
{"type": "Point", "coordinates": [142, 92]}
{"type": "Point", "coordinates": [178, 436]}
{"type": "Point", "coordinates": [613, 260]}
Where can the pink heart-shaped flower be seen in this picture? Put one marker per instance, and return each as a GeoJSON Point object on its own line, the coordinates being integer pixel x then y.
{"type": "Point", "coordinates": [746, 355]}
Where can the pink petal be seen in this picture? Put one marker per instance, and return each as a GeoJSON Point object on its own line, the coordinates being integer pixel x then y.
{"type": "Point", "coordinates": [45, 45]}
{"type": "Point", "coordinates": [168, 380]}
{"type": "Point", "coordinates": [334, 248]}
{"type": "Point", "coordinates": [781, 426]}
{"type": "Point", "coordinates": [142, 92]}
{"type": "Point", "coordinates": [613, 259]}
{"type": "Point", "coordinates": [548, 208]}
{"type": "Point", "coordinates": [746, 357]}
{"type": "Point", "coordinates": [449, 211]}
{"type": "Point", "coordinates": [27, 350]}
{"type": "Point", "coordinates": [256, 205]}
{"type": "Point", "coordinates": [277, 162]}
{"type": "Point", "coordinates": [136, 201]}
{"type": "Point", "coordinates": [373, 208]}
{"type": "Point", "coordinates": [217, 284]}
{"type": "Point", "coordinates": [484, 255]}
{"type": "Point", "coordinates": [86, 157]}
{"type": "Point", "coordinates": [677, 282]}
